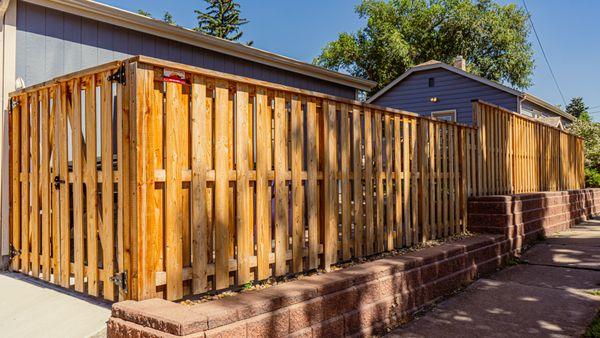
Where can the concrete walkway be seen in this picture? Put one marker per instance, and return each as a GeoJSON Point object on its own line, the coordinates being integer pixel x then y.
{"type": "Point", "coordinates": [546, 296]}
{"type": "Point", "coordinates": [30, 308]}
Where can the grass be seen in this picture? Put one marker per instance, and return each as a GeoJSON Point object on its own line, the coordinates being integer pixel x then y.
{"type": "Point", "coordinates": [594, 292]}
{"type": "Point", "coordinates": [593, 331]}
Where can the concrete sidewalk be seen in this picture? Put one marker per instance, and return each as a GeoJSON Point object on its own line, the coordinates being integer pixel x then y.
{"type": "Point", "coordinates": [31, 308]}
{"type": "Point", "coordinates": [546, 296]}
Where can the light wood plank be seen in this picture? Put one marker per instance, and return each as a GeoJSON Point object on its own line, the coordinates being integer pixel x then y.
{"type": "Point", "coordinates": [174, 210]}
{"type": "Point", "coordinates": [221, 185]}
{"type": "Point", "coordinates": [76, 137]}
{"type": "Point", "coordinates": [263, 198]}
{"type": "Point", "coordinates": [107, 230]}
{"type": "Point", "coordinates": [281, 189]}
{"type": "Point", "coordinates": [35, 182]}
{"type": "Point", "coordinates": [330, 184]}
{"type": "Point", "coordinates": [369, 225]}
{"type": "Point", "coordinates": [91, 185]}
{"type": "Point", "coordinates": [199, 167]}
{"type": "Point", "coordinates": [245, 247]}
{"type": "Point", "coordinates": [297, 134]}
{"type": "Point", "coordinates": [357, 158]}
{"type": "Point", "coordinates": [345, 181]}
{"type": "Point", "coordinates": [45, 185]}
{"type": "Point", "coordinates": [17, 149]}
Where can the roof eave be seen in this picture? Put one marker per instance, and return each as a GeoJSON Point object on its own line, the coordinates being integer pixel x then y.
{"type": "Point", "coordinates": [123, 18]}
{"type": "Point", "coordinates": [552, 108]}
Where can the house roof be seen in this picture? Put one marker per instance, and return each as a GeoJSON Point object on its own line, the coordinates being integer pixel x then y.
{"type": "Point", "coordinates": [134, 21]}
{"type": "Point", "coordinates": [553, 121]}
{"type": "Point", "coordinates": [434, 64]}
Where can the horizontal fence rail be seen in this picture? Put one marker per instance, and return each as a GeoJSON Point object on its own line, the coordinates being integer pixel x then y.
{"type": "Point", "coordinates": [218, 180]}
{"type": "Point", "coordinates": [519, 155]}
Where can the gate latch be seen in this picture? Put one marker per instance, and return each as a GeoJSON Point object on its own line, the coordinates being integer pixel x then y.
{"type": "Point", "coordinates": [120, 280]}
{"type": "Point", "coordinates": [58, 182]}
{"type": "Point", "coordinates": [118, 76]}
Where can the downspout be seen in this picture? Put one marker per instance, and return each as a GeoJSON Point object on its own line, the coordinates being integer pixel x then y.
{"type": "Point", "coordinates": [8, 18]}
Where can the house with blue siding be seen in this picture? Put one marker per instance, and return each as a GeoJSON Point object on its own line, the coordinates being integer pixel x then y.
{"type": "Point", "coordinates": [444, 91]}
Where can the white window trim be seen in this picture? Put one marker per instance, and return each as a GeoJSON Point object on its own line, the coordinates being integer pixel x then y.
{"type": "Point", "coordinates": [445, 112]}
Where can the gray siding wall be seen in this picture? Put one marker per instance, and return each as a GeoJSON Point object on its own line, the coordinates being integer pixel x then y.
{"type": "Point", "coordinates": [453, 91]}
{"type": "Point", "coordinates": [52, 43]}
{"type": "Point", "coordinates": [534, 110]}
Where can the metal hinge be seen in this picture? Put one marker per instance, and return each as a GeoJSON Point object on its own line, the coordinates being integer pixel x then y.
{"type": "Point", "coordinates": [57, 182]}
{"type": "Point", "coordinates": [13, 104]}
{"type": "Point", "coordinates": [120, 280]}
{"type": "Point", "coordinates": [119, 76]}
{"type": "Point", "coordinates": [12, 252]}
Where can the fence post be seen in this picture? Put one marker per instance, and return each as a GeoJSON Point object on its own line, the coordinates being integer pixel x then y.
{"type": "Point", "coordinates": [145, 224]}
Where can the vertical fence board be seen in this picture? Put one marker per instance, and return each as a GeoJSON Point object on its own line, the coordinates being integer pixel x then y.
{"type": "Point", "coordinates": [174, 210]}
{"type": "Point", "coordinates": [91, 186]}
{"type": "Point", "coordinates": [369, 226]}
{"type": "Point", "coordinates": [399, 176]}
{"type": "Point", "coordinates": [199, 148]}
{"type": "Point", "coordinates": [330, 185]}
{"type": "Point", "coordinates": [107, 230]}
{"type": "Point", "coordinates": [77, 139]}
{"type": "Point", "coordinates": [357, 183]}
{"type": "Point", "coordinates": [281, 189]}
{"type": "Point", "coordinates": [35, 181]}
{"type": "Point", "coordinates": [221, 186]}
{"type": "Point", "coordinates": [263, 166]}
{"type": "Point", "coordinates": [17, 149]}
{"type": "Point", "coordinates": [297, 121]}
{"type": "Point", "coordinates": [345, 180]}
{"type": "Point", "coordinates": [243, 221]}
{"type": "Point", "coordinates": [45, 185]}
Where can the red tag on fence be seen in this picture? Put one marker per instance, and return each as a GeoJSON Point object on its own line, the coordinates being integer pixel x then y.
{"type": "Point", "coordinates": [174, 76]}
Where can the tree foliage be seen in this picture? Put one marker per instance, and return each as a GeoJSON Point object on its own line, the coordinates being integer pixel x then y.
{"type": "Point", "coordinates": [402, 33]}
{"type": "Point", "coordinates": [168, 18]}
{"type": "Point", "coordinates": [590, 132]}
{"type": "Point", "coordinates": [578, 109]}
{"type": "Point", "coordinates": [221, 18]}
{"type": "Point", "coordinates": [144, 13]}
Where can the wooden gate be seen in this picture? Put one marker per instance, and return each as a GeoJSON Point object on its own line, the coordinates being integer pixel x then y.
{"type": "Point", "coordinates": [67, 171]}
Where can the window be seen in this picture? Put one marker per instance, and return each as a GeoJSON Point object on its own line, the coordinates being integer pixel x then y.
{"type": "Point", "coordinates": [445, 115]}
{"type": "Point", "coordinates": [431, 82]}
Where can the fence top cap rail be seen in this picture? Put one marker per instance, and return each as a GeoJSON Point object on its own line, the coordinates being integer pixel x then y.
{"type": "Point", "coordinates": [67, 77]}
{"type": "Point", "coordinates": [269, 85]}
{"type": "Point", "coordinates": [524, 117]}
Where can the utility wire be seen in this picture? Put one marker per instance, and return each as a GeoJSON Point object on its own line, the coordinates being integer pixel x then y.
{"type": "Point", "coordinates": [544, 54]}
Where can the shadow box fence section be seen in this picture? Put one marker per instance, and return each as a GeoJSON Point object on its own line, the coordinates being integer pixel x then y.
{"type": "Point", "coordinates": [218, 180]}
{"type": "Point", "coordinates": [518, 154]}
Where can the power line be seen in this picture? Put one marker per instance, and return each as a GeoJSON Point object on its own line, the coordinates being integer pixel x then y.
{"type": "Point", "coordinates": [544, 53]}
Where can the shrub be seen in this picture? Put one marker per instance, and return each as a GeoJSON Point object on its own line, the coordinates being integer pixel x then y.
{"type": "Point", "coordinates": [592, 178]}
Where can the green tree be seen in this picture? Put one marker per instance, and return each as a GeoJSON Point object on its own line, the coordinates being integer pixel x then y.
{"type": "Point", "coordinates": [578, 109]}
{"type": "Point", "coordinates": [221, 18]}
{"type": "Point", "coordinates": [590, 132]}
{"type": "Point", "coordinates": [402, 33]}
{"type": "Point", "coordinates": [168, 18]}
{"type": "Point", "coordinates": [144, 13]}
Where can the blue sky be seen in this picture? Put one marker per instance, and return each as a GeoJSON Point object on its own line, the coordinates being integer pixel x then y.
{"type": "Point", "coordinates": [569, 32]}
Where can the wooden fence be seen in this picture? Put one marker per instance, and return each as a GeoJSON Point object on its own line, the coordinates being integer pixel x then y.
{"type": "Point", "coordinates": [518, 154]}
{"type": "Point", "coordinates": [220, 180]}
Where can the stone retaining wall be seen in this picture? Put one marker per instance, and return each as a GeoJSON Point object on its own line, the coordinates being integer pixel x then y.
{"type": "Point", "coordinates": [526, 218]}
{"type": "Point", "coordinates": [363, 299]}
{"type": "Point", "coordinates": [366, 299]}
